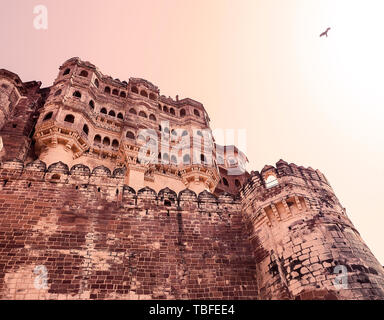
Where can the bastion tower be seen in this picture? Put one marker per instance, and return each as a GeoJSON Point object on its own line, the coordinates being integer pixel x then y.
{"type": "Point", "coordinates": [304, 244]}
{"type": "Point", "coordinates": [111, 190]}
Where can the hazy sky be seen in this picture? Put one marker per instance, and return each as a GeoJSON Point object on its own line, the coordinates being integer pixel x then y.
{"type": "Point", "coordinates": [258, 65]}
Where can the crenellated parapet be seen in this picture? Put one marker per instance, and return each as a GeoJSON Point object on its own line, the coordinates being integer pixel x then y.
{"type": "Point", "coordinates": [112, 184]}
{"type": "Point", "coordinates": [286, 182]}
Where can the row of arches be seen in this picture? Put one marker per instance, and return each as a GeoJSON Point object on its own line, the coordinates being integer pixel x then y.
{"type": "Point", "coordinates": [131, 135]}
{"type": "Point", "coordinates": [111, 113]}
{"type": "Point", "coordinates": [173, 159]}
{"type": "Point", "coordinates": [106, 141]}
{"type": "Point", "coordinates": [226, 183]}
{"type": "Point", "coordinates": [174, 132]}
{"type": "Point", "coordinates": [167, 110]}
{"type": "Point", "coordinates": [70, 118]}
{"type": "Point", "coordinates": [182, 112]}
{"type": "Point", "coordinates": [91, 104]}
{"type": "Point", "coordinates": [115, 92]}
{"type": "Point", "coordinates": [164, 108]}
{"type": "Point", "coordinates": [143, 93]}
{"type": "Point", "coordinates": [142, 114]}
{"type": "Point", "coordinates": [83, 73]}
{"type": "Point", "coordinates": [134, 89]}
{"type": "Point", "coordinates": [107, 89]}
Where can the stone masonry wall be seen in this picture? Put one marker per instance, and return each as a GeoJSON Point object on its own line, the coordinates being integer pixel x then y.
{"type": "Point", "coordinates": [99, 239]}
{"type": "Point", "coordinates": [302, 239]}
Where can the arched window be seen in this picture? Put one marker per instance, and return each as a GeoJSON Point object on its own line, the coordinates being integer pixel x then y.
{"type": "Point", "coordinates": [77, 94]}
{"type": "Point", "coordinates": [120, 115]}
{"type": "Point", "coordinates": [237, 183]}
{"type": "Point", "coordinates": [225, 181]}
{"type": "Point", "coordinates": [66, 71]}
{"type": "Point", "coordinates": [58, 92]}
{"type": "Point", "coordinates": [159, 107]}
{"type": "Point", "coordinates": [107, 90]}
{"type": "Point", "coordinates": [141, 138]}
{"type": "Point", "coordinates": [96, 83]}
{"type": "Point", "coordinates": [92, 104]}
{"type": "Point", "coordinates": [232, 161]}
{"type": "Point", "coordinates": [185, 133]}
{"type": "Point", "coordinates": [103, 110]}
{"type": "Point", "coordinates": [186, 159]}
{"type": "Point", "coordinates": [115, 92]}
{"type": "Point", "coordinates": [173, 159]}
{"type": "Point", "coordinates": [182, 113]}
{"type": "Point", "coordinates": [152, 117]}
{"type": "Point", "coordinates": [165, 109]}
{"type": "Point", "coordinates": [48, 116]}
{"type": "Point", "coordinates": [165, 157]}
{"type": "Point", "coordinates": [115, 143]}
{"type": "Point", "coordinates": [123, 94]}
{"type": "Point", "coordinates": [142, 114]}
{"type": "Point", "coordinates": [135, 90]}
{"type": "Point", "coordinates": [133, 111]}
{"type": "Point", "coordinates": [271, 181]}
{"type": "Point", "coordinates": [202, 158]}
{"type": "Point", "coordinates": [144, 93]}
{"type": "Point", "coordinates": [106, 141]}
{"type": "Point", "coordinates": [152, 141]}
{"type": "Point", "coordinates": [97, 139]}
{"type": "Point", "coordinates": [196, 112]}
{"type": "Point", "coordinates": [112, 113]}
{"type": "Point", "coordinates": [84, 73]}
{"type": "Point", "coordinates": [199, 133]}
{"type": "Point", "coordinates": [69, 118]}
{"type": "Point", "coordinates": [130, 135]}
{"type": "Point", "coordinates": [85, 129]}
{"type": "Point", "coordinates": [172, 111]}
{"type": "Point", "coordinates": [173, 132]}
{"type": "Point", "coordinates": [166, 130]}
{"type": "Point", "coordinates": [152, 96]}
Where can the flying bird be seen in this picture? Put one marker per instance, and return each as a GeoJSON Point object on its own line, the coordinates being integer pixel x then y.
{"type": "Point", "coordinates": [325, 33]}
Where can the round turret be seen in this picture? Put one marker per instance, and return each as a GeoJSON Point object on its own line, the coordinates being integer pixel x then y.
{"type": "Point", "coordinates": [304, 244]}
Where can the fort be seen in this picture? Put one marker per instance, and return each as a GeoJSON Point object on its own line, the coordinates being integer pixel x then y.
{"type": "Point", "coordinates": [79, 205]}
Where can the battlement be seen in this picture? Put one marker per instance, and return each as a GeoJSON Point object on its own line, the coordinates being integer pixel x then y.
{"type": "Point", "coordinates": [278, 193]}
{"type": "Point", "coordinates": [271, 180]}
{"type": "Point", "coordinates": [112, 185]}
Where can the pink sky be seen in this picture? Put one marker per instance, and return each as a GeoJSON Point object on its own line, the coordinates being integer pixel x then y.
{"type": "Point", "coordinates": [257, 65]}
